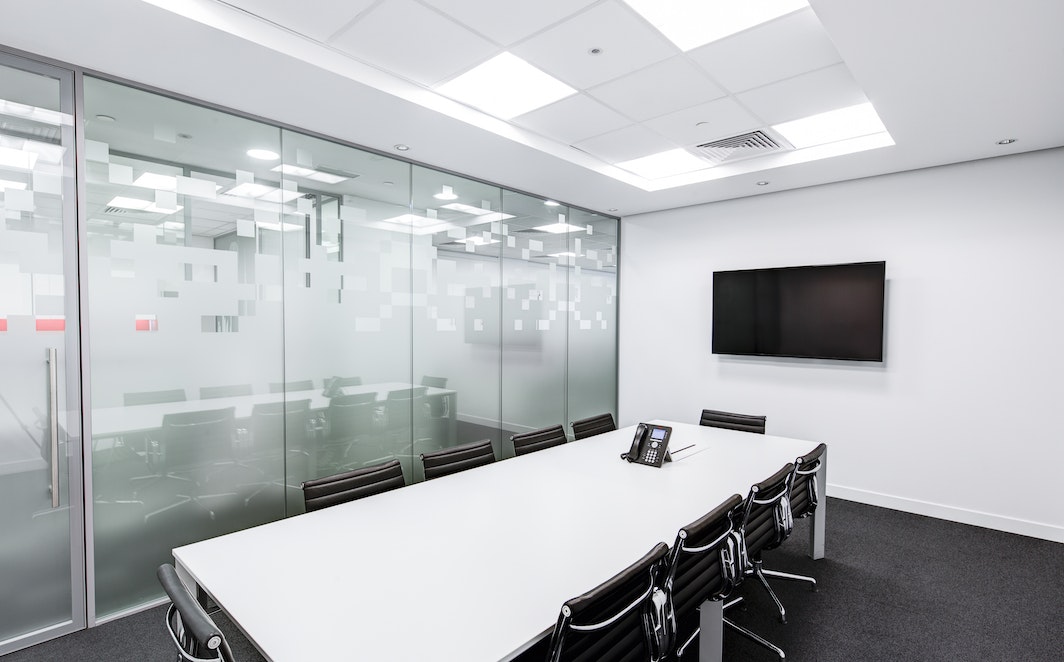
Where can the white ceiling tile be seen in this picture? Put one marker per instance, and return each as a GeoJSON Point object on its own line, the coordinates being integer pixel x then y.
{"type": "Point", "coordinates": [709, 121]}
{"type": "Point", "coordinates": [508, 21]}
{"type": "Point", "coordinates": [658, 89]}
{"type": "Point", "coordinates": [805, 95]}
{"type": "Point", "coordinates": [792, 45]}
{"type": "Point", "coordinates": [573, 119]}
{"type": "Point", "coordinates": [627, 43]}
{"type": "Point", "coordinates": [411, 40]}
{"type": "Point", "coordinates": [628, 143]}
{"type": "Point", "coordinates": [317, 19]}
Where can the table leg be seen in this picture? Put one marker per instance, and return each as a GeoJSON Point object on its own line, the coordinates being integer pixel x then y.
{"type": "Point", "coordinates": [452, 419]}
{"type": "Point", "coordinates": [711, 635]}
{"type": "Point", "coordinates": [820, 515]}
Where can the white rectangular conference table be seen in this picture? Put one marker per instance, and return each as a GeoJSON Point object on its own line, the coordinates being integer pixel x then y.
{"type": "Point", "coordinates": [475, 566]}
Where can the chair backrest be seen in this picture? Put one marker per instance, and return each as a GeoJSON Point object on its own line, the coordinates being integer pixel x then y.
{"type": "Point", "coordinates": [233, 390]}
{"type": "Point", "coordinates": [617, 620]}
{"type": "Point", "coordinates": [276, 425]}
{"type": "Point", "coordinates": [403, 406]}
{"type": "Point", "coordinates": [457, 458]}
{"type": "Point", "coordinates": [340, 382]}
{"type": "Point", "coordinates": [288, 387]}
{"type": "Point", "coordinates": [804, 497]}
{"type": "Point", "coordinates": [348, 486]}
{"type": "Point", "coordinates": [197, 438]}
{"type": "Point", "coordinates": [153, 397]}
{"type": "Point", "coordinates": [729, 421]}
{"type": "Point", "coordinates": [537, 440]}
{"type": "Point", "coordinates": [703, 564]}
{"type": "Point", "coordinates": [194, 633]}
{"type": "Point", "coordinates": [589, 427]}
{"type": "Point", "coordinates": [434, 382]}
{"type": "Point", "coordinates": [767, 517]}
{"type": "Point", "coordinates": [350, 416]}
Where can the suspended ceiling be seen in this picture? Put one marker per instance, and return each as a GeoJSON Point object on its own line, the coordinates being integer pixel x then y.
{"type": "Point", "coordinates": [948, 81]}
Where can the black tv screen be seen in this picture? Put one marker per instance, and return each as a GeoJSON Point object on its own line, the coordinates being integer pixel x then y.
{"type": "Point", "coordinates": [822, 312]}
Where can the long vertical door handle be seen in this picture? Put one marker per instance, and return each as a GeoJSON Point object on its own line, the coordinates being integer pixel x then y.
{"type": "Point", "coordinates": [53, 420]}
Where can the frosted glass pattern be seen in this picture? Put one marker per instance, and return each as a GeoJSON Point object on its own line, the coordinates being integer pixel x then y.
{"type": "Point", "coordinates": [259, 322]}
{"type": "Point", "coordinates": [185, 267]}
{"type": "Point", "coordinates": [592, 343]}
{"type": "Point", "coordinates": [36, 136]}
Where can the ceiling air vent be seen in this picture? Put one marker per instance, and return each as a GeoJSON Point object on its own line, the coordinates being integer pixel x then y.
{"type": "Point", "coordinates": [744, 146]}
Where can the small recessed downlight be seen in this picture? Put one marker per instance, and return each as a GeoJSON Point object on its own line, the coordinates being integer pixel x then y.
{"type": "Point", "coordinates": [763, 182]}
{"type": "Point", "coordinates": [401, 147]}
{"type": "Point", "coordinates": [105, 118]}
{"type": "Point", "coordinates": [1006, 141]}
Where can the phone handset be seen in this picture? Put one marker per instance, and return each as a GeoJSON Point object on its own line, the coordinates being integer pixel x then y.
{"type": "Point", "coordinates": [650, 445]}
{"type": "Point", "coordinates": [641, 432]}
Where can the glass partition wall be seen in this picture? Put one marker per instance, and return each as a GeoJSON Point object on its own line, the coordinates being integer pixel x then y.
{"type": "Point", "coordinates": [265, 307]}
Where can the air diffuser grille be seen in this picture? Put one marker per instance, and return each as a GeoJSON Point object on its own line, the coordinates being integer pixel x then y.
{"type": "Point", "coordinates": [744, 146]}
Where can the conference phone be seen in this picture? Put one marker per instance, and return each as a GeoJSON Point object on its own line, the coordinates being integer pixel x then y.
{"type": "Point", "coordinates": [650, 445]}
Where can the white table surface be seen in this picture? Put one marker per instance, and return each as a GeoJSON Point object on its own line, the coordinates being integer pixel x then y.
{"type": "Point", "coordinates": [473, 566]}
{"type": "Point", "coordinates": [114, 421]}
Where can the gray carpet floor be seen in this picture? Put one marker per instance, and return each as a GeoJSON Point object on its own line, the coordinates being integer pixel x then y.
{"type": "Point", "coordinates": [894, 587]}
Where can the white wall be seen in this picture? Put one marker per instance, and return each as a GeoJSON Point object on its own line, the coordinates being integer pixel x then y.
{"type": "Point", "coordinates": [962, 420]}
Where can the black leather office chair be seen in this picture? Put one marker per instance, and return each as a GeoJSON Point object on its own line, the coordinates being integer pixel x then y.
{"type": "Point", "coordinates": [742, 422]}
{"type": "Point", "coordinates": [334, 386]}
{"type": "Point", "coordinates": [289, 387]}
{"type": "Point", "coordinates": [766, 523]}
{"type": "Point", "coordinates": [406, 414]}
{"type": "Point", "coordinates": [621, 619]}
{"type": "Point", "coordinates": [194, 633]}
{"type": "Point", "coordinates": [434, 382]}
{"type": "Point", "coordinates": [589, 427]}
{"type": "Point", "coordinates": [351, 485]}
{"type": "Point", "coordinates": [439, 407]}
{"type": "Point", "coordinates": [457, 458]}
{"type": "Point", "coordinates": [705, 564]}
{"type": "Point", "coordinates": [537, 440]}
{"type": "Point", "coordinates": [804, 499]}
{"type": "Point", "coordinates": [279, 443]}
{"type": "Point", "coordinates": [153, 397]}
{"type": "Point", "coordinates": [195, 439]}
{"type": "Point", "coordinates": [233, 390]}
{"type": "Point", "coordinates": [352, 436]}
{"type": "Point", "coordinates": [341, 382]}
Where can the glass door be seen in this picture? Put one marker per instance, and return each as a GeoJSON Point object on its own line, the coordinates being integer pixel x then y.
{"type": "Point", "coordinates": [42, 577]}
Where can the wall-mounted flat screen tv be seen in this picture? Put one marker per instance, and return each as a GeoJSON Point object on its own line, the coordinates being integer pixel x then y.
{"type": "Point", "coordinates": [820, 312]}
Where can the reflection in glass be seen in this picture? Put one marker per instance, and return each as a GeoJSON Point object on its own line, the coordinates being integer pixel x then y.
{"type": "Point", "coordinates": [36, 140]}
{"type": "Point", "coordinates": [456, 260]}
{"type": "Point", "coordinates": [260, 322]}
{"type": "Point", "coordinates": [185, 300]}
{"type": "Point", "coordinates": [592, 339]}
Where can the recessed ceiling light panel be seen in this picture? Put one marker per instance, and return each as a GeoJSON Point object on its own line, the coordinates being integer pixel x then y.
{"type": "Point", "coordinates": [693, 23]}
{"type": "Point", "coordinates": [505, 86]}
{"type": "Point", "coordinates": [832, 126]}
{"type": "Point", "coordinates": [664, 164]}
{"type": "Point", "coordinates": [446, 193]}
{"type": "Point", "coordinates": [559, 228]}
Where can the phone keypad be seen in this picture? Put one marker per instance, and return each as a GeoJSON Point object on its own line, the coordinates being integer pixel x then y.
{"type": "Point", "coordinates": [652, 452]}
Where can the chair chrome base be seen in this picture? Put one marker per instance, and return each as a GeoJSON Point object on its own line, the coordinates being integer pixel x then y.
{"type": "Point", "coordinates": [763, 575]}
{"type": "Point", "coordinates": [787, 575]}
{"type": "Point", "coordinates": [757, 570]}
{"type": "Point", "coordinates": [752, 636]}
{"type": "Point", "coordinates": [756, 638]}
